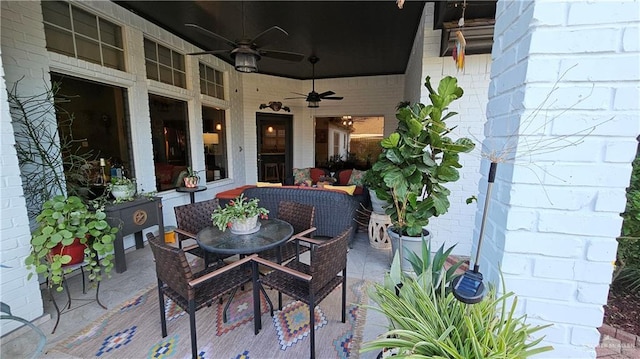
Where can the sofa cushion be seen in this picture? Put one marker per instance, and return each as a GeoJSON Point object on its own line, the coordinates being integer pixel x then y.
{"type": "Point", "coordinates": [343, 177]}
{"type": "Point", "coordinates": [301, 175]}
{"type": "Point", "coordinates": [316, 173]}
{"type": "Point", "coordinates": [268, 184]}
{"type": "Point", "coordinates": [356, 177]}
{"type": "Point", "coordinates": [348, 189]}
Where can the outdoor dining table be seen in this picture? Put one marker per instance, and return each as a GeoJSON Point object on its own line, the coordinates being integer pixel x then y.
{"type": "Point", "coordinates": [272, 233]}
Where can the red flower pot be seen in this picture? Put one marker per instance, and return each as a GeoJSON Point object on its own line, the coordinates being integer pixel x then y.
{"type": "Point", "coordinates": [75, 250]}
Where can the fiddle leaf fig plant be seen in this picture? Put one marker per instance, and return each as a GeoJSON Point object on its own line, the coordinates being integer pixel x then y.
{"type": "Point", "coordinates": [62, 221]}
{"type": "Point", "coordinates": [419, 158]}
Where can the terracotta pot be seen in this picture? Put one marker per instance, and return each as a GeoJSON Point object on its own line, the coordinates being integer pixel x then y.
{"type": "Point", "coordinates": [75, 250]}
{"type": "Point", "coordinates": [191, 182]}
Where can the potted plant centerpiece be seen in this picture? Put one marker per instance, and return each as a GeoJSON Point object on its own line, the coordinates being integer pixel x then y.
{"type": "Point", "coordinates": [416, 161]}
{"type": "Point", "coordinates": [240, 215]}
{"type": "Point", "coordinates": [63, 222]}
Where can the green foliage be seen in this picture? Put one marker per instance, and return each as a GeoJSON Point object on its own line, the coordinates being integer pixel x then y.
{"type": "Point", "coordinates": [628, 262]}
{"type": "Point", "coordinates": [62, 220]}
{"type": "Point", "coordinates": [240, 207]}
{"type": "Point", "coordinates": [426, 320]}
{"type": "Point", "coordinates": [419, 157]}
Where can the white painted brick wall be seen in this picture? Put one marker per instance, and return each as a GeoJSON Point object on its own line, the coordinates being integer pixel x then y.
{"type": "Point", "coordinates": [562, 207]}
{"type": "Point", "coordinates": [21, 294]}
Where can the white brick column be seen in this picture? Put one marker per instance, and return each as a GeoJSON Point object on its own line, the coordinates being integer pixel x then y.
{"type": "Point", "coordinates": [23, 49]}
{"type": "Point", "coordinates": [554, 214]}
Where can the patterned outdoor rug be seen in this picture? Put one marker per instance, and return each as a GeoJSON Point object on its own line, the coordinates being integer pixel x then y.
{"type": "Point", "coordinates": [133, 330]}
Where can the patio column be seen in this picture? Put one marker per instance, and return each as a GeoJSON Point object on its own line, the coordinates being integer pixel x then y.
{"type": "Point", "coordinates": [562, 122]}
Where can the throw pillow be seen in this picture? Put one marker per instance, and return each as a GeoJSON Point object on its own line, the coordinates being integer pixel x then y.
{"type": "Point", "coordinates": [316, 173]}
{"type": "Point", "coordinates": [268, 184]}
{"type": "Point", "coordinates": [348, 189]}
{"type": "Point", "coordinates": [301, 175]}
{"type": "Point", "coordinates": [356, 177]}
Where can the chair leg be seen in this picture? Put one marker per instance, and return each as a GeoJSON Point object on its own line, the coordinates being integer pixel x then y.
{"type": "Point", "coordinates": [344, 295]}
{"type": "Point", "coordinates": [192, 326]}
{"type": "Point", "coordinates": [163, 319]}
{"type": "Point", "coordinates": [312, 329]}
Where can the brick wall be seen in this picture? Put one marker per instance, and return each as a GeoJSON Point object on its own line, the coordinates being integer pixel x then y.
{"type": "Point", "coordinates": [555, 207]}
{"type": "Point", "coordinates": [29, 64]}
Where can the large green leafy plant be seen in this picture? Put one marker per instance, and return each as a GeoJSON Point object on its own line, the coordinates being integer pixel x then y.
{"type": "Point", "coordinates": [239, 208]}
{"type": "Point", "coordinates": [62, 221]}
{"type": "Point", "coordinates": [427, 321]}
{"type": "Point", "coordinates": [419, 158]}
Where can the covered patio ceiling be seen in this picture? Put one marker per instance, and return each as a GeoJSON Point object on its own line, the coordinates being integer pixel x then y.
{"type": "Point", "coordinates": [351, 38]}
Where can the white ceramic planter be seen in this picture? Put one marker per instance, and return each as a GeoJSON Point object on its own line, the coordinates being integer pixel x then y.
{"type": "Point", "coordinates": [413, 244]}
{"type": "Point", "coordinates": [123, 191]}
{"type": "Point", "coordinates": [377, 204]}
{"type": "Point", "coordinates": [245, 225]}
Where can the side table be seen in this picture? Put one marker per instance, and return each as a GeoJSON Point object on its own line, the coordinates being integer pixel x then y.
{"type": "Point", "coordinates": [378, 236]}
{"type": "Point", "coordinates": [191, 190]}
{"type": "Point", "coordinates": [133, 217]}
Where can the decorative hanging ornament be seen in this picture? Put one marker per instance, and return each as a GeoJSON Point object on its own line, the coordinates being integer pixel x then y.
{"type": "Point", "coordinates": [458, 50]}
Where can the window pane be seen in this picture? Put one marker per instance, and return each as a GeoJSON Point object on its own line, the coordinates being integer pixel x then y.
{"type": "Point", "coordinates": [166, 75]}
{"type": "Point", "coordinates": [169, 133]}
{"type": "Point", "coordinates": [59, 40]}
{"type": "Point", "coordinates": [56, 12]}
{"type": "Point", "coordinates": [219, 79]}
{"type": "Point", "coordinates": [211, 89]}
{"type": "Point", "coordinates": [220, 92]}
{"type": "Point", "coordinates": [152, 70]}
{"type": "Point", "coordinates": [150, 50]}
{"type": "Point", "coordinates": [210, 74]}
{"type": "Point", "coordinates": [178, 61]}
{"type": "Point", "coordinates": [113, 58]}
{"type": "Point", "coordinates": [110, 34]}
{"type": "Point", "coordinates": [88, 49]}
{"type": "Point", "coordinates": [84, 23]}
{"type": "Point", "coordinates": [201, 70]}
{"type": "Point", "coordinates": [164, 56]}
{"type": "Point", "coordinates": [214, 138]}
{"type": "Point", "coordinates": [203, 87]}
{"type": "Point", "coordinates": [103, 125]}
{"type": "Point", "coordinates": [179, 79]}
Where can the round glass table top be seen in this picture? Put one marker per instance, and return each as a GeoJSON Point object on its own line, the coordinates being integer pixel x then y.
{"type": "Point", "coordinates": [272, 233]}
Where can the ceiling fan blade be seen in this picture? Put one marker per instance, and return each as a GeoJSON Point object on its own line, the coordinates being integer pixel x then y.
{"type": "Point", "coordinates": [294, 98]}
{"type": "Point", "coordinates": [301, 94]}
{"type": "Point", "coordinates": [212, 52]}
{"type": "Point", "coordinates": [333, 98]}
{"type": "Point", "coordinates": [327, 93]}
{"type": "Point", "coordinates": [267, 36]}
{"type": "Point", "coordinates": [282, 55]}
{"type": "Point", "coordinates": [212, 34]}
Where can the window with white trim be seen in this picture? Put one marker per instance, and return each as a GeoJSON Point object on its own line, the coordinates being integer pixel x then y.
{"type": "Point", "coordinates": [74, 32]}
{"type": "Point", "coordinates": [164, 64]}
{"type": "Point", "coordinates": [211, 82]}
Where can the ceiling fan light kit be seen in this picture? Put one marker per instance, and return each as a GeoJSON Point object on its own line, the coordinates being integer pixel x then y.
{"type": "Point", "coordinates": [245, 61]}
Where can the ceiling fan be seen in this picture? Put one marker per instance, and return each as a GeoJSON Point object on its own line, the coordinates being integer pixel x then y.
{"type": "Point", "coordinates": [247, 51]}
{"type": "Point", "coordinates": [314, 98]}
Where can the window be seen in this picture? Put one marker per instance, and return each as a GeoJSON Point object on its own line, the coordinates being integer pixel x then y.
{"type": "Point", "coordinates": [164, 64]}
{"type": "Point", "coordinates": [215, 144]}
{"type": "Point", "coordinates": [99, 116]}
{"type": "Point", "coordinates": [80, 34]}
{"type": "Point", "coordinates": [211, 82]}
{"type": "Point", "coordinates": [170, 136]}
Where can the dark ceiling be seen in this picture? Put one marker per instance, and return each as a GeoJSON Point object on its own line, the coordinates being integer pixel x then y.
{"type": "Point", "coordinates": [351, 38]}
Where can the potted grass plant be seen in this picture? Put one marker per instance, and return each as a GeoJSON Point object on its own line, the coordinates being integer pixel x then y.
{"type": "Point", "coordinates": [427, 321]}
{"type": "Point", "coordinates": [416, 162]}
{"type": "Point", "coordinates": [64, 223]}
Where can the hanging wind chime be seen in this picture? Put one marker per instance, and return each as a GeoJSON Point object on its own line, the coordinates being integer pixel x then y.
{"type": "Point", "coordinates": [461, 43]}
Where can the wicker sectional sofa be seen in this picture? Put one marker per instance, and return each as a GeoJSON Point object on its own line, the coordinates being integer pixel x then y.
{"type": "Point", "coordinates": [335, 210]}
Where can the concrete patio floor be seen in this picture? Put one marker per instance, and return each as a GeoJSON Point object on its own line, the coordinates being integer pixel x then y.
{"type": "Point", "coordinates": [364, 262]}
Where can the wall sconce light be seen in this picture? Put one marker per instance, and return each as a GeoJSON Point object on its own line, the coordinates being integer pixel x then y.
{"type": "Point", "coordinates": [275, 106]}
{"type": "Point", "coordinates": [270, 129]}
{"type": "Point", "coordinates": [218, 127]}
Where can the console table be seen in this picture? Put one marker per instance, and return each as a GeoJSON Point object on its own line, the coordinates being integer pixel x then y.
{"type": "Point", "coordinates": [133, 217]}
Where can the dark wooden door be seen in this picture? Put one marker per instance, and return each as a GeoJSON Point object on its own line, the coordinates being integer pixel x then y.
{"type": "Point", "coordinates": [275, 147]}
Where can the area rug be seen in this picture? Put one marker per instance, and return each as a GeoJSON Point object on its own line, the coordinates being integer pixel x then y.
{"type": "Point", "coordinates": [133, 329]}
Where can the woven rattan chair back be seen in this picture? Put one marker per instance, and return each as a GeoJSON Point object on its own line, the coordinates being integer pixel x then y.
{"type": "Point", "coordinates": [194, 217]}
{"type": "Point", "coordinates": [327, 259]}
{"type": "Point", "coordinates": [172, 267]}
{"type": "Point", "coordinates": [299, 215]}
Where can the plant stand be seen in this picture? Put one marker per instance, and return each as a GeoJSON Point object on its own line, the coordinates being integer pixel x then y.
{"type": "Point", "coordinates": [378, 236]}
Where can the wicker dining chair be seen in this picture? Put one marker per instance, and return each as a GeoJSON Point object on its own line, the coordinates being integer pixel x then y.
{"type": "Point", "coordinates": [301, 217]}
{"type": "Point", "coordinates": [190, 219]}
{"type": "Point", "coordinates": [193, 291]}
{"type": "Point", "coordinates": [312, 283]}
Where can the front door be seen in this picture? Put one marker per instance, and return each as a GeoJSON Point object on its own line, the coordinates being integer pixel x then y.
{"type": "Point", "coordinates": [275, 144]}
